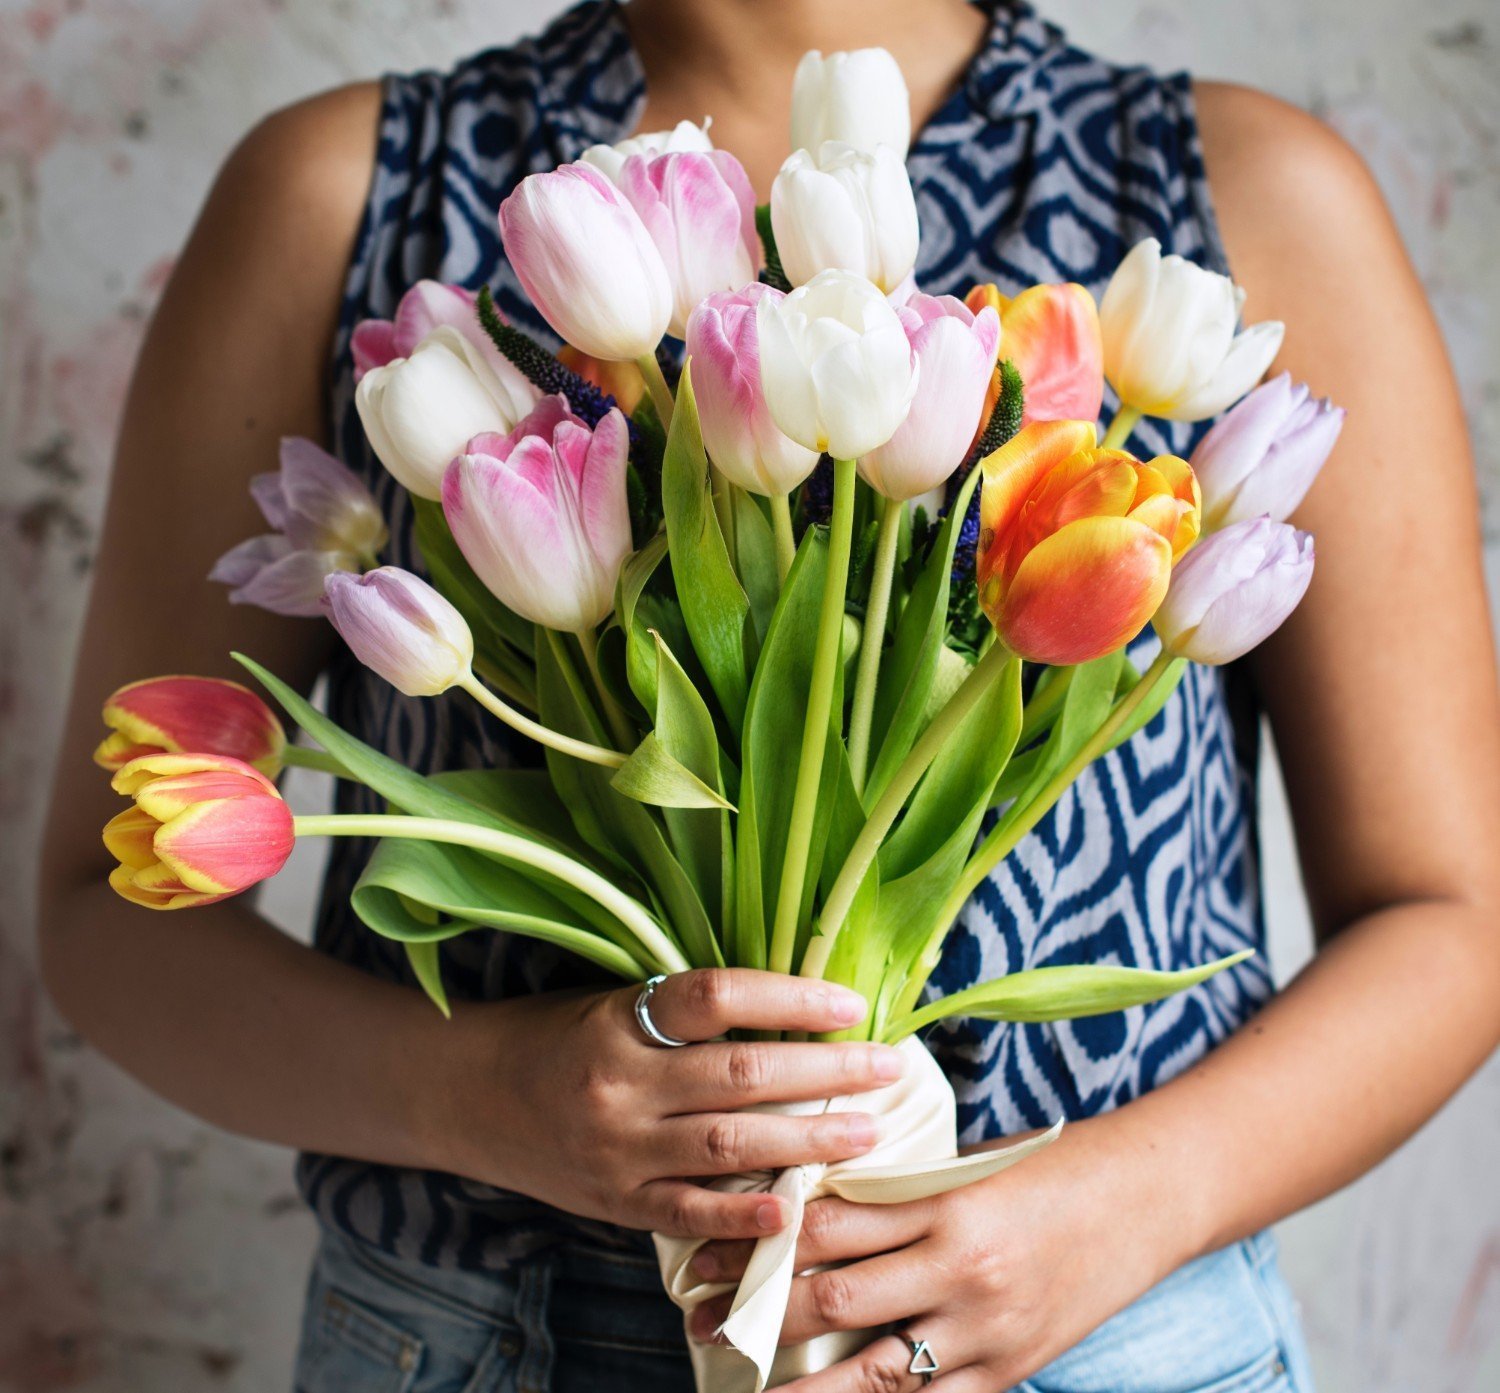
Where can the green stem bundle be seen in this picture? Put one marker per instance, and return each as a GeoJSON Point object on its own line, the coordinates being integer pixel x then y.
{"type": "Point", "coordinates": [863, 711]}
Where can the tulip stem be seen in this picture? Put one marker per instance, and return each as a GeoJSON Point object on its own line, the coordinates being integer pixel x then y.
{"type": "Point", "coordinates": [301, 757]}
{"type": "Point", "coordinates": [826, 656]}
{"type": "Point", "coordinates": [509, 847]}
{"type": "Point", "coordinates": [614, 713]}
{"type": "Point", "coordinates": [656, 384]}
{"type": "Point", "coordinates": [1126, 420]}
{"type": "Point", "coordinates": [543, 735]}
{"type": "Point", "coordinates": [873, 644]}
{"type": "Point", "coordinates": [786, 541]}
{"type": "Point", "coordinates": [1006, 834]}
{"type": "Point", "coordinates": [982, 676]}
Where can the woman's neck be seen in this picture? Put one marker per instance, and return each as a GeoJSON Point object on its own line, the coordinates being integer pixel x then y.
{"type": "Point", "coordinates": [734, 59]}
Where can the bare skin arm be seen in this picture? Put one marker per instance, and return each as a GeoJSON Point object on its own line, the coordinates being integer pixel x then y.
{"type": "Point", "coordinates": [214, 1008]}
{"type": "Point", "coordinates": [1383, 699]}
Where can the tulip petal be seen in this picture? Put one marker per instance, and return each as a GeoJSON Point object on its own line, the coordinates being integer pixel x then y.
{"type": "Point", "coordinates": [208, 715]}
{"type": "Point", "coordinates": [1242, 366]}
{"type": "Point", "coordinates": [159, 890]}
{"type": "Point", "coordinates": [1085, 591]}
{"type": "Point", "coordinates": [128, 836]}
{"type": "Point", "coordinates": [1018, 466]}
{"type": "Point", "coordinates": [1051, 333]}
{"type": "Point", "coordinates": [140, 772]}
{"type": "Point", "coordinates": [222, 846]}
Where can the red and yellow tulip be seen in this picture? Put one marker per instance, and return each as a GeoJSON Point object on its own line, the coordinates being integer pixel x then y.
{"type": "Point", "coordinates": [203, 827]}
{"type": "Point", "coordinates": [202, 715]}
{"type": "Point", "coordinates": [1051, 333]}
{"type": "Point", "coordinates": [1076, 544]}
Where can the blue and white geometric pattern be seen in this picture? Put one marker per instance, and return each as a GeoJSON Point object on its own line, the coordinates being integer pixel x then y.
{"type": "Point", "coordinates": [1046, 164]}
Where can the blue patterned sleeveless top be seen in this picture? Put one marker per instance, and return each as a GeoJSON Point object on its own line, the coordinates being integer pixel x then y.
{"type": "Point", "coordinates": [1046, 164]}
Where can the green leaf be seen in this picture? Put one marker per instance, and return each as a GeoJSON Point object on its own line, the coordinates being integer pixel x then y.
{"type": "Point", "coordinates": [755, 551]}
{"type": "Point", "coordinates": [774, 276]}
{"type": "Point", "coordinates": [1151, 707]}
{"type": "Point", "coordinates": [652, 776]}
{"type": "Point", "coordinates": [425, 966]}
{"type": "Point", "coordinates": [640, 650]}
{"type": "Point", "coordinates": [1061, 993]}
{"type": "Point", "coordinates": [714, 604]}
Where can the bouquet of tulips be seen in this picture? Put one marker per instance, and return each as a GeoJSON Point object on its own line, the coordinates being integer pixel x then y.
{"type": "Point", "coordinates": [812, 630]}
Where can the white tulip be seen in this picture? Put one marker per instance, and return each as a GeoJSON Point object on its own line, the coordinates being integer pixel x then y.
{"type": "Point", "coordinates": [837, 369]}
{"type": "Point", "coordinates": [420, 412]}
{"type": "Point", "coordinates": [609, 160]}
{"type": "Point", "coordinates": [1170, 346]}
{"type": "Point", "coordinates": [841, 208]}
{"type": "Point", "coordinates": [859, 98]}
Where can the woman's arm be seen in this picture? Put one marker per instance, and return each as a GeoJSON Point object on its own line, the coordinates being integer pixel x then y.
{"type": "Point", "coordinates": [1383, 698]}
{"type": "Point", "coordinates": [215, 1009]}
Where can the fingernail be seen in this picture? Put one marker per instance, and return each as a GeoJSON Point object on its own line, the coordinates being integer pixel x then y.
{"type": "Point", "coordinates": [889, 1063]}
{"type": "Point", "coordinates": [705, 1264]}
{"type": "Point", "coordinates": [848, 1006]}
{"type": "Point", "coordinates": [862, 1131]}
{"type": "Point", "coordinates": [704, 1325]}
{"type": "Point", "coordinates": [768, 1216]}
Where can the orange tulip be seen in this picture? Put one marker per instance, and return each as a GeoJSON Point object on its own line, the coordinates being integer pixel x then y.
{"type": "Point", "coordinates": [1076, 544]}
{"type": "Point", "coordinates": [1051, 334]}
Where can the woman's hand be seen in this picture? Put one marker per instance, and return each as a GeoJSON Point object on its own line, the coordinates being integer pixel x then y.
{"type": "Point", "coordinates": [999, 1277]}
{"type": "Point", "coordinates": [563, 1098]}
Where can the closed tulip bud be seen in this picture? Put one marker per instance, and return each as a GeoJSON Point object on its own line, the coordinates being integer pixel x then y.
{"type": "Point", "coordinates": [324, 519]}
{"type": "Point", "coordinates": [542, 515]}
{"type": "Point", "coordinates": [858, 97]}
{"type": "Point", "coordinates": [1170, 346]}
{"type": "Point", "coordinates": [586, 260]}
{"type": "Point", "coordinates": [609, 160]}
{"type": "Point", "coordinates": [836, 366]}
{"type": "Point", "coordinates": [1234, 590]}
{"type": "Point", "coordinates": [419, 412]}
{"type": "Point", "coordinates": [742, 439]}
{"type": "Point", "coordinates": [1051, 334]}
{"type": "Point", "coordinates": [955, 351]}
{"type": "Point", "coordinates": [835, 207]}
{"type": "Point", "coordinates": [203, 827]}
{"type": "Point", "coordinates": [1260, 459]}
{"type": "Point", "coordinates": [399, 627]}
{"type": "Point", "coordinates": [1076, 544]}
{"type": "Point", "coordinates": [700, 211]}
{"type": "Point", "coordinates": [198, 715]}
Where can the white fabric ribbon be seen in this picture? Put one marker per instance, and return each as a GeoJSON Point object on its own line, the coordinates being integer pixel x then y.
{"type": "Point", "coordinates": [916, 1158]}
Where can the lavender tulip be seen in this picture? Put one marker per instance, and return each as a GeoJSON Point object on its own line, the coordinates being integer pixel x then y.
{"type": "Point", "coordinates": [323, 520]}
{"type": "Point", "coordinates": [1234, 589]}
{"type": "Point", "coordinates": [742, 440]}
{"type": "Point", "coordinates": [700, 211]}
{"type": "Point", "coordinates": [1262, 457]}
{"type": "Point", "coordinates": [541, 514]}
{"type": "Point", "coordinates": [955, 350]}
{"type": "Point", "coordinates": [400, 627]}
{"type": "Point", "coordinates": [586, 260]}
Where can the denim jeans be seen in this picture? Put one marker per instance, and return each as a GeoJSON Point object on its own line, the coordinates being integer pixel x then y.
{"type": "Point", "coordinates": [584, 1321]}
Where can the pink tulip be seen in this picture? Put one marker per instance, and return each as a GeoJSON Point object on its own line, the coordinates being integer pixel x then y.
{"type": "Point", "coordinates": [955, 350]}
{"type": "Point", "coordinates": [196, 715]}
{"type": "Point", "coordinates": [324, 519]}
{"type": "Point", "coordinates": [1261, 458]}
{"type": "Point", "coordinates": [742, 440]}
{"type": "Point", "coordinates": [400, 627]}
{"type": "Point", "coordinates": [203, 827]}
{"type": "Point", "coordinates": [586, 260]}
{"type": "Point", "coordinates": [376, 343]}
{"type": "Point", "coordinates": [700, 211]}
{"type": "Point", "coordinates": [541, 514]}
{"type": "Point", "coordinates": [1234, 589]}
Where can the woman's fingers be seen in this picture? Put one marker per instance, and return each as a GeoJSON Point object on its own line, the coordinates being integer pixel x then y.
{"type": "Point", "coordinates": [833, 1230]}
{"type": "Point", "coordinates": [730, 1142]}
{"type": "Point", "coordinates": [886, 1365]}
{"type": "Point", "coordinates": [681, 1209]}
{"type": "Point", "coordinates": [716, 1077]}
{"type": "Point", "coordinates": [711, 1001]}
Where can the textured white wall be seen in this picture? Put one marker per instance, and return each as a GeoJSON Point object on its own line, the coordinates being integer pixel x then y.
{"type": "Point", "coordinates": [140, 1250]}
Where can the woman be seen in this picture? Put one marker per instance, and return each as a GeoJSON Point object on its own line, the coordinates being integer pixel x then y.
{"type": "Point", "coordinates": [480, 1238]}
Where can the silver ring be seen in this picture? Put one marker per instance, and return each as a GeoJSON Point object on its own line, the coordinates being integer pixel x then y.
{"type": "Point", "coordinates": [653, 1032]}
{"type": "Point", "coordinates": [923, 1360]}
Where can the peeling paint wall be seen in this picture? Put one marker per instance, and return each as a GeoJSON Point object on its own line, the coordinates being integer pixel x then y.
{"type": "Point", "coordinates": [140, 1250]}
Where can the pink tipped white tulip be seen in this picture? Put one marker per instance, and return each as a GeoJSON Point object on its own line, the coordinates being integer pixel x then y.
{"type": "Point", "coordinates": [609, 160]}
{"type": "Point", "coordinates": [700, 211]}
{"type": "Point", "coordinates": [541, 515]}
{"type": "Point", "coordinates": [586, 260]}
{"type": "Point", "coordinates": [742, 439]}
{"type": "Point", "coordinates": [400, 627]}
{"type": "Point", "coordinates": [1234, 589]}
{"type": "Point", "coordinates": [955, 350]}
{"type": "Point", "coordinates": [1262, 457]}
